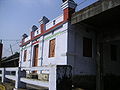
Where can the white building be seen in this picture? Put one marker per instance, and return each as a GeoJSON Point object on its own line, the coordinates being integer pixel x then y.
{"type": "Point", "coordinates": [57, 42]}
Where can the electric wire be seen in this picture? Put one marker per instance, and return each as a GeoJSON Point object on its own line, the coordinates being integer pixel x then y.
{"type": "Point", "coordinates": [82, 2]}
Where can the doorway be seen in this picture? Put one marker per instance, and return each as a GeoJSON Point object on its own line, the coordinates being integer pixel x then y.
{"type": "Point", "coordinates": [35, 56]}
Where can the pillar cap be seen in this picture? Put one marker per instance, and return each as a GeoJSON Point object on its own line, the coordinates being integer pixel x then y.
{"type": "Point", "coordinates": [43, 20]}
{"type": "Point", "coordinates": [34, 28]}
{"type": "Point", "coordinates": [68, 4]}
{"type": "Point", "coordinates": [24, 36]}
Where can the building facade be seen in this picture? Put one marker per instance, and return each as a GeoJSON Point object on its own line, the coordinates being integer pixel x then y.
{"type": "Point", "coordinates": [57, 42]}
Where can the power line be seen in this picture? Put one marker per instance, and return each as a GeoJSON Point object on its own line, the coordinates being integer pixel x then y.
{"type": "Point", "coordinates": [11, 49]}
{"type": "Point", "coordinates": [6, 49]}
{"type": "Point", "coordinates": [82, 2]}
{"type": "Point", "coordinates": [17, 43]}
{"type": "Point", "coordinates": [13, 43]}
{"type": "Point", "coordinates": [10, 39]}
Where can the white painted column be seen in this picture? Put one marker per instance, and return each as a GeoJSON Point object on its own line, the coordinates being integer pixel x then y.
{"type": "Point", "coordinates": [2, 69]}
{"type": "Point", "coordinates": [4, 72]}
{"type": "Point", "coordinates": [18, 83]}
{"type": "Point", "coordinates": [60, 77]}
{"type": "Point", "coordinates": [52, 78]}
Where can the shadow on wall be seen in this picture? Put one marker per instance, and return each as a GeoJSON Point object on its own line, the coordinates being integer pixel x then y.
{"type": "Point", "coordinates": [86, 82]}
{"type": "Point", "coordinates": [111, 82]}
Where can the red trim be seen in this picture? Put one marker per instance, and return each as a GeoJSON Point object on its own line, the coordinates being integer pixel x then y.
{"type": "Point", "coordinates": [35, 42]}
{"type": "Point", "coordinates": [67, 13]}
{"type": "Point", "coordinates": [42, 28]}
{"type": "Point", "coordinates": [32, 34]}
{"type": "Point", "coordinates": [23, 40]}
{"type": "Point", "coordinates": [25, 43]}
{"type": "Point", "coordinates": [54, 27]}
{"type": "Point", "coordinates": [45, 31]}
{"type": "Point", "coordinates": [67, 16]}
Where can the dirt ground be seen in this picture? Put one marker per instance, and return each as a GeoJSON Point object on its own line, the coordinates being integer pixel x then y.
{"type": "Point", "coordinates": [10, 86]}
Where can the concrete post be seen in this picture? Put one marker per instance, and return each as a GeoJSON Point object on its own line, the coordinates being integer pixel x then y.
{"type": "Point", "coordinates": [60, 77]}
{"type": "Point", "coordinates": [2, 75]}
{"type": "Point", "coordinates": [52, 78]}
{"type": "Point", "coordinates": [19, 74]}
{"type": "Point", "coordinates": [4, 72]}
{"type": "Point", "coordinates": [99, 60]}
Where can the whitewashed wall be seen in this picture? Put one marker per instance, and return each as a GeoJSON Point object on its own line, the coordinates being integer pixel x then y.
{"type": "Point", "coordinates": [26, 39]}
{"type": "Point", "coordinates": [60, 47]}
{"type": "Point", "coordinates": [43, 51]}
{"type": "Point", "coordinates": [81, 65]}
{"type": "Point", "coordinates": [38, 31]}
{"type": "Point", "coordinates": [28, 59]}
{"type": "Point", "coordinates": [111, 67]}
{"type": "Point", "coordinates": [57, 20]}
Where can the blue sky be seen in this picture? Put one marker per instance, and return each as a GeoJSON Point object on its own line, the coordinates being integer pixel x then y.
{"type": "Point", "coordinates": [17, 16]}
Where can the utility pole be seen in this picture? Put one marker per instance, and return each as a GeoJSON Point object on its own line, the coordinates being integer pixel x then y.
{"type": "Point", "coordinates": [1, 50]}
{"type": "Point", "coordinates": [11, 49]}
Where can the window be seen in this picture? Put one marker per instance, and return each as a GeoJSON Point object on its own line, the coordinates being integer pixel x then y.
{"type": "Point", "coordinates": [87, 47]}
{"type": "Point", "coordinates": [113, 52]}
{"type": "Point", "coordinates": [54, 22]}
{"type": "Point", "coordinates": [52, 48]}
{"type": "Point", "coordinates": [37, 31]}
{"type": "Point", "coordinates": [35, 55]}
{"type": "Point", "coordinates": [25, 55]}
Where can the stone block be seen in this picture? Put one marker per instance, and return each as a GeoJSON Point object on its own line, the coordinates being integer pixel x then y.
{"type": "Point", "coordinates": [43, 77]}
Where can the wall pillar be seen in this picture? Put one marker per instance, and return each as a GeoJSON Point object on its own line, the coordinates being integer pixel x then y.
{"type": "Point", "coordinates": [68, 9]}
{"type": "Point", "coordinates": [60, 77]}
{"type": "Point", "coordinates": [99, 62]}
{"type": "Point", "coordinates": [18, 83]}
{"type": "Point", "coordinates": [4, 72]}
{"type": "Point", "coordinates": [43, 21]}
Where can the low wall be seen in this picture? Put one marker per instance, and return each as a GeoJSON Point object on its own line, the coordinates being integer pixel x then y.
{"type": "Point", "coordinates": [59, 77]}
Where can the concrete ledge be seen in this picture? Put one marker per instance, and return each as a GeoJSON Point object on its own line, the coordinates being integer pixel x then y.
{"type": "Point", "coordinates": [11, 69]}
{"type": "Point", "coordinates": [10, 77]}
{"type": "Point", "coordinates": [1, 75]}
{"type": "Point", "coordinates": [35, 82]}
{"type": "Point", "coordinates": [1, 69]}
{"type": "Point", "coordinates": [37, 68]}
{"type": "Point", "coordinates": [94, 9]}
{"type": "Point", "coordinates": [43, 77]}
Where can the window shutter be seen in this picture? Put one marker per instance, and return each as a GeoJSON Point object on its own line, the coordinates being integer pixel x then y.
{"type": "Point", "coordinates": [52, 48]}
{"type": "Point", "coordinates": [25, 55]}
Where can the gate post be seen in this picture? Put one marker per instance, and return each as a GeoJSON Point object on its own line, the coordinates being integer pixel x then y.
{"type": "Point", "coordinates": [19, 74]}
{"type": "Point", "coordinates": [4, 72]}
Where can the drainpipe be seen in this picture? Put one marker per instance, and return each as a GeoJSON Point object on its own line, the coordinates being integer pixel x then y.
{"type": "Point", "coordinates": [42, 51]}
{"type": "Point", "coordinates": [31, 56]}
{"type": "Point", "coordinates": [20, 57]}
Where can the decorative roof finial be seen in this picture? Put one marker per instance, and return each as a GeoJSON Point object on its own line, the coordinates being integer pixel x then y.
{"type": "Point", "coordinates": [43, 20]}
